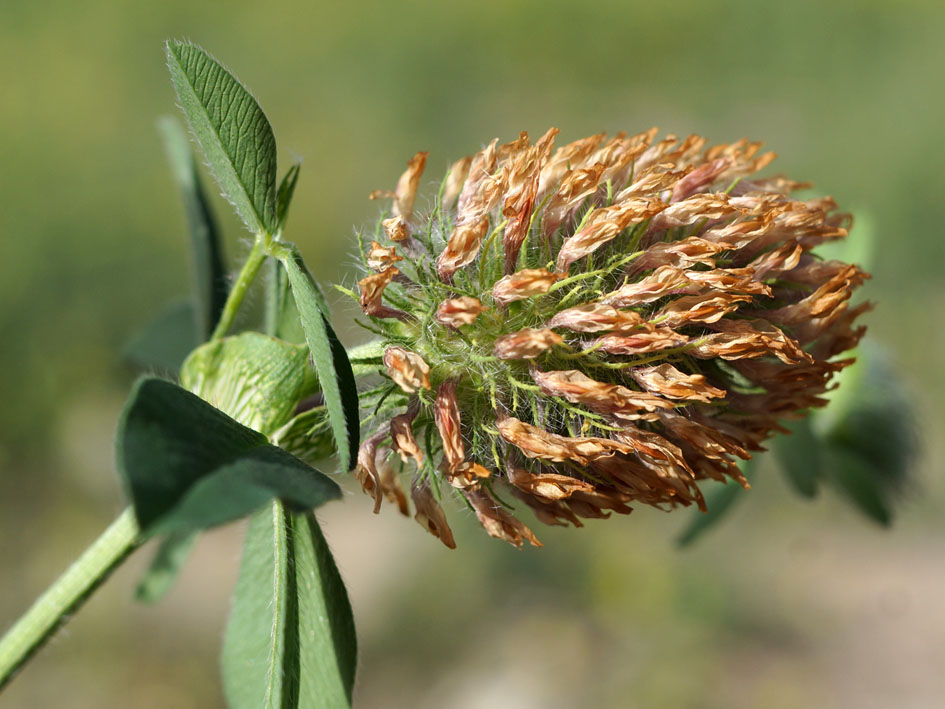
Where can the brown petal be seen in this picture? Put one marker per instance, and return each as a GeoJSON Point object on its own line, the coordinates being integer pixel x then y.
{"type": "Point", "coordinates": [403, 440]}
{"type": "Point", "coordinates": [710, 442]}
{"type": "Point", "coordinates": [366, 471]}
{"type": "Point", "coordinates": [642, 483]}
{"type": "Point", "coordinates": [454, 181]}
{"type": "Point", "coordinates": [467, 475]}
{"type": "Point", "coordinates": [556, 514]}
{"type": "Point", "coordinates": [497, 521]}
{"type": "Point", "coordinates": [699, 179]}
{"type": "Point", "coordinates": [446, 414]}
{"type": "Point", "coordinates": [471, 204]}
{"type": "Point", "coordinates": [526, 283]}
{"type": "Point", "coordinates": [597, 396]}
{"type": "Point", "coordinates": [372, 294]}
{"type": "Point", "coordinates": [526, 344]}
{"type": "Point", "coordinates": [618, 155]}
{"type": "Point", "coordinates": [668, 381]}
{"type": "Point", "coordinates": [462, 248]}
{"type": "Point", "coordinates": [775, 263]}
{"type": "Point", "coordinates": [593, 503]}
{"type": "Point", "coordinates": [737, 339]}
{"type": "Point", "coordinates": [566, 158]}
{"type": "Point", "coordinates": [536, 442]}
{"type": "Point", "coordinates": [738, 280]}
{"type": "Point", "coordinates": [679, 254]}
{"type": "Point", "coordinates": [663, 281]}
{"type": "Point", "coordinates": [376, 476]}
{"type": "Point", "coordinates": [709, 206]}
{"type": "Point", "coordinates": [390, 486]}
{"type": "Point", "coordinates": [576, 186]}
{"type": "Point", "coordinates": [458, 311]}
{"type": "Point", "coordinates": [406, 192]}
{"type": "Point", "coordinates": [658, 178]}
{"type": "Point", "coordinates": [379, 257]}
{"type": "Point", "coordinates": [524, 172]}
{"type": "Point", "coordinates": [547, 486]}
{"type": "Point", "coordinates": [659, 338]}
{"type": "Point", "coordinates": [603, 225]}
{"type": "Point", "coordinates": [708, 308]}
{"type": "Point", "coordinates": [665, 459]}
{"type": "Point", "coordinates": [396, 229]}
{"type": "Point", "coordinates": [430, 515]}
{"type": "Point", "coordinates": [407, 369]}
{"type": "Point", "coordinates": [517, 228]}
{"type": "Point", "coordinates": [596, 317]}
{"type": "Point", "coordinates": [823, 301]}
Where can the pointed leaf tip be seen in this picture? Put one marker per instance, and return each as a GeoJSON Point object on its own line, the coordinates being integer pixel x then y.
{"type": "Point", "coordinates": [232, 129]}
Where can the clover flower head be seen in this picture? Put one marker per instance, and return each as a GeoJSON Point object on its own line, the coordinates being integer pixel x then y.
{"type": "Point", "coordinates": [603, 324]}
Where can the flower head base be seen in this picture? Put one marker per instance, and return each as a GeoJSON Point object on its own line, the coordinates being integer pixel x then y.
{"type": "Point", "coordinates": [597, 325]}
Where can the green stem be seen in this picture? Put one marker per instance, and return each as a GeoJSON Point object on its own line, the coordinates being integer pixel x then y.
{"type": "Point", "coordinates": [256, 258]}
{"type": "Point", "coordinates": [67, 594]}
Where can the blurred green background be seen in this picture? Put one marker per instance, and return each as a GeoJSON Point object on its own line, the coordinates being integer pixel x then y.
{"type": "Point", "coordinates": [788, 604]}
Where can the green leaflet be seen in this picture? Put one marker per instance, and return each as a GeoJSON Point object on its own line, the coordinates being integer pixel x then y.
{"type": "Point", "coordinates": [209, 271]}
{"type": "Point", "coordinates": [861, 483]}
{"type": "Point", "coordinates": [800, 456]}
{"type": "Point", "coordinates": [290, 640]}
{"type": "Point", "coordinates": [718, 502]}
{"type": "Point", "coordinates": [165, 566]}
{"type": "Point", "coordinates": [284, 194]}
{"type": "Point", "coordinates": [331, 361]}
{"type": "Point", "coordinates": [868, 434]}
{"type": "Point", "coordinates": [233, 131]}
{"type": "Point", "coordinates": [166, 341]}
{"type": "Point", "coordinates": [188, 466]}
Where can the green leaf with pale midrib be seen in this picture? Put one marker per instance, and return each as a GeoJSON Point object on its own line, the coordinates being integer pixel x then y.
{"type": "Point", "coordinates": [233, 131]}
{"type": "Point", "coordinates": [290, 640]}
{"type": "Point", "coordinates": [164, 344]}
{"type": "Point", "coordinates": [189, 466]}
{"type": "Point", "coordinates": [335, 375]}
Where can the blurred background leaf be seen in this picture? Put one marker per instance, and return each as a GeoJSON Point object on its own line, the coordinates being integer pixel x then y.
{"type": "Point", "coordinates": [785, 603]}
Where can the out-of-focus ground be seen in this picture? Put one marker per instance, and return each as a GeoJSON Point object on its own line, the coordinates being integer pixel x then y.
{"type": "Point", "coordinates": [788, 604]}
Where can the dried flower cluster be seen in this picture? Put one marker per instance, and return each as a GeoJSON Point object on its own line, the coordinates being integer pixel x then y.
{"type": "Point", "coordinates": [590, 326]}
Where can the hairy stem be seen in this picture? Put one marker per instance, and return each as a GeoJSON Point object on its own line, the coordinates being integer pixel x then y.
{"type": "Point", "coordinates": [67, 594]}
{"type": "Point", "coordinates": [247, 275]}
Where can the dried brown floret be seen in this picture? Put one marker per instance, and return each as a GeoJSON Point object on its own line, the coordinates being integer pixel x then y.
{"type": "Point", "coordinates": [659, 309]}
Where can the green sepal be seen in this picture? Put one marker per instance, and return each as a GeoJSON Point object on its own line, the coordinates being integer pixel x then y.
{"type": "Point", "coordinates": [257, 379]}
